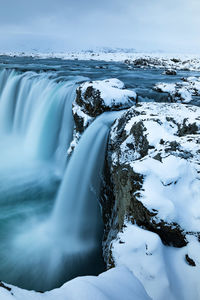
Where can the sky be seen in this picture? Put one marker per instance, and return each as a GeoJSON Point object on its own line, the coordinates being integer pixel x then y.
{"type": "Point", "coordinates": [65, 25]}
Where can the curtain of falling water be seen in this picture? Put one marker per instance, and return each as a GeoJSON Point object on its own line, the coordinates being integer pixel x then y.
{"type": "Point", "coordinates": [42, 247]}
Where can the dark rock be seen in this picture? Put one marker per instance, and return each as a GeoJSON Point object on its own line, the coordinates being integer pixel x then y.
{"type": "Point", "coordinates": [185, 129]}
{"type": "Point", "coordinates": [127, 61]}
{"type": "Point", "coordinates": [175, 60]}
{"type": "Point", "coordinates": [141, 62]}
{"type": "Point", "coordinates": [158, 157]}
{"type": "Point", "coordinates": [5, 286]}
{"type": "Point", "coordinates": [127, 187]}
{"type": "Point", "coordinates": [190, 261]}
{"type": "Point", "coordinates": [170, 72]}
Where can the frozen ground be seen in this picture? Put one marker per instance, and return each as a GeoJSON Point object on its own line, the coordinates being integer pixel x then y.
{"type": "Point", "coordinates": [111, 285]}
{"type": "Point", "coordinates": [161, 269]}
{"type": "Point", "coordinates": [158, 60]}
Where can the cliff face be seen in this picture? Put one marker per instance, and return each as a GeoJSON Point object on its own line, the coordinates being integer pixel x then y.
{"type": "Point", "coordinates": [154, 166]}
{"type": "Point", "coordinates": [150, 192]}
{"type": "Point", "coordinates": [154, 154]}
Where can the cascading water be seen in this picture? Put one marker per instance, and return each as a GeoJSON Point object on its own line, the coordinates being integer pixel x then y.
{"type": "Point", "coordinates": [80, 188]}
{"type": "Point", "coordinates": [36, 127]}
{"type": "Point", "coordinates": [36, 108]}
{"type": "Point", "coordinates": [43, 245]}
{"type": "Point", "coordinates": [32, 161]}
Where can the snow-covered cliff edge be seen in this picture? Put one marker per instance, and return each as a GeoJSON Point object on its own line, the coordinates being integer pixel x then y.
{"type": "Point", "coordinates": [154, 223]}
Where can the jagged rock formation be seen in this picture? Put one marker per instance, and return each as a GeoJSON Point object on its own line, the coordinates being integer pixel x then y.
{"type": "Point", "coordinates": [163, 62]}
{"type": "Point", "coordinates": [154, 167]}
{"type": "Point", "coordinates": [182, 91]}
{"type": "Point", "coordinates": [151, 147]}
{"type": "Point", "coordinates": [94, 98]}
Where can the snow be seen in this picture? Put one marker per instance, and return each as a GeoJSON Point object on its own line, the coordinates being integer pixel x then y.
{"type": "Point", "coordinates": [161, 121]}
{"type": "Point", "coordinates": [182, 90]}
{"type": "Point", "coordinates": [166, 87]}
{"type": "Point", "coordinates": [167, 187]}
{"type": "Point", "coordinates": [111, 90]}
{"type": "Point", "coordinates": [160, 111]}
{"type": "Point", "coordinates": [114, 284]}
{"type": "Point", "coordinates": [125, 152]}
{"type": "Point", "coordinates": [156, 131]}
{"type": "Point", "coordinates": [162, 270]}
{"type": "Point", "coordinates": [77, 110]}
{"type": "Point", "coordinates": [154, 60]}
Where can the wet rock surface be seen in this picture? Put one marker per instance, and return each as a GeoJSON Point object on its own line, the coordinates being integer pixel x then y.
{"type": "Point", "coordinates": [170, 72]}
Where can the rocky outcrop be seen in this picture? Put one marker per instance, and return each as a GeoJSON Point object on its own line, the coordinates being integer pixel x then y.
{"type": "Point", "coordinates": [163, 62]}
{"type": "Point", "coordinates": [154, 169]}
{"type": "Point", "coordinates": [170, 72]}
{"type": "Point", "coordinates": [183, 91]}
{"type": "Point", "coordinates": [144, 143]}
{"type": "Point", "coordinates": [96, 97]}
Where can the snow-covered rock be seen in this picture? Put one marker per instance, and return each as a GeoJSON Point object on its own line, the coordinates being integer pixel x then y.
{"type": "Point", "coordinates": [95, 97]}
{"type": "Point", "coordinates": [166, 61]}
{"type": "Point", "coordinates": [182, 91]}
{"type": "Point", "coordinates": [154, 158]}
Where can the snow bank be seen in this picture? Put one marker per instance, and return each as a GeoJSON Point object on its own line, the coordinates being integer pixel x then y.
{"type": "Point", "coordinates": [114, 284]}
{"type": "Point", "coordinates": [167, 187]}
{"type": "Point", "coordinates": [162, 270]}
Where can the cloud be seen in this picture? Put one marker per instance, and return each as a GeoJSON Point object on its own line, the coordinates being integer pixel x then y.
{"type": "Point", "coordinates": [67, 24]}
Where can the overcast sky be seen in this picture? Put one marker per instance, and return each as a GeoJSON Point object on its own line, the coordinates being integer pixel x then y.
{"type": "Point", "coordinates": [60, 25]}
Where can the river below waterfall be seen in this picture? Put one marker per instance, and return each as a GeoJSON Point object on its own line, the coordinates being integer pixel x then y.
{"type": "Point", "coordinates": [47, 202]}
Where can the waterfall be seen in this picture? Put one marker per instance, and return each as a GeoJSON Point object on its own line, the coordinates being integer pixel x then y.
{"type": "Point", "coordinates": [36, 109]}
{"type": "Point", "coordinates": [80, 186]}
{"type": "Point", "coordinates": [53, 233]}
{"type": "Point", "coordinates": [36, 127]}
{"type": "Point", "coordinates": [67, 243]}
